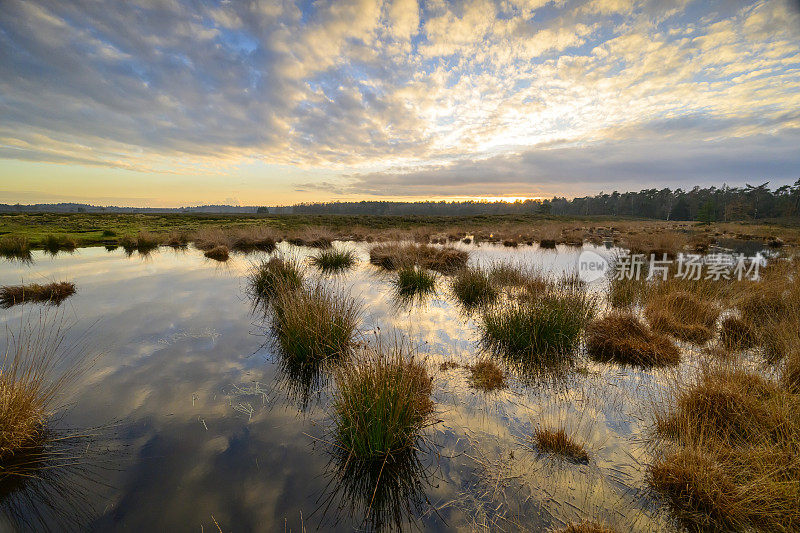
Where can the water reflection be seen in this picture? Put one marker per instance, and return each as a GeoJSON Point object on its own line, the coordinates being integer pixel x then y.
{"type": "Point", "coordinates": [380, 494]}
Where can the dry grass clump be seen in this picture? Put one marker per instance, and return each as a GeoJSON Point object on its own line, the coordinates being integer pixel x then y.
{"type": "Point", "coordinates": [53, 293]}
{"type": "Point", "coordinates": [623, 338]}
{"type": "Point", "coordinates": [662, 243]}
{"type": "Point", "coordinates": [485, 375]}
{"type": "Point", "coordinates": [736, 334]}
{"type": "Point", "coordinates": [313, 239]}
{"type": "Point", "coordinates": [557, 442]}
{"type": "Point", "coordinates": [537, 327]}
{"type": "Point", "coordinates": [315, 324]}
{"type": "Point", "coordinates": [393, 256]}
{"type": "Point", "coordinates": [177, 239]}
{"type": "Point", "coordinates": [585, 527]}
{"type": "Point", "coordinates": [32, 380]}
{"type": "Point", "coordinates": [682, 315]}
{"type": "Point", "coordinates": [248, 240]}
{"type": "Point", "coordinates": [411, 281]}
{"type": "Point", "coordinates": [735, 461]}
{"type": "Point", "coordinates": [547, 244]}
{"type": "Point", "coordinates": [474, 287]}
{"type": "Point", "coordinates": [218, 253]}
{"type": "Point", "coordinates": [381, 404]}
{"type": "Point", "coordinates": [278, 273]}
{"type": "Point", "coordinates": [144, 243]}
{"type": "Point", "coordinates": [331, 260]}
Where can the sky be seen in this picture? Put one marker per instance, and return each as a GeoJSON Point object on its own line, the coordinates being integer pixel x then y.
{"type": "Point", "coordinates": [187, 102]}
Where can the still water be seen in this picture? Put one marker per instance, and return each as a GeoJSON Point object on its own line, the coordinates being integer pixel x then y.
{"type": "Point", "coordinates": [192, 424]}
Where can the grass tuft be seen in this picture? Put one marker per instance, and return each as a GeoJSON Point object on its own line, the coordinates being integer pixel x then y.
{"type": "Point", "coordinates": [682, 315]}
{"type": "Point", "coordinates": [736, 334]}
{"type": "Point", "coordinates": [394, 256]}
{"type": "Point", "coordinates": [485, 375]}
{"type": "Point", "coordinates": [474, 287]}
{"type": "Point", "coordinates": [413, 281]}
{"type": "Point", "coordinates": [53, 293]}
{"type": "Point", "coordinates": [535, 328]}
{"type": "Point", "coordinates": [277, 273]}
{"type": "Point", "coordinates": [315, 324]}
{"type": "Point", "coordinates": [218, 253]}
{"type": "Point", "coordinates": [585, 527]}
{"type": "Point", "coordinates": [557, 442]}
{"type": "Point", "coordinates": [331, 260]}
{"type": "Point", "coordinates": [622, 338]}
{"type": "Point", "coordinates": [382, 403]}
{"type": "Point", "coordinates": [15, 247]}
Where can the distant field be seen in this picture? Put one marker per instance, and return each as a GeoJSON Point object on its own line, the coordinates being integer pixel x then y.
{"type": "Point", "coordinates": [90, 229]}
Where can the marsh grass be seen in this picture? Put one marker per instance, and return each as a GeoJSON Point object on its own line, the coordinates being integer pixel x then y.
{"type": "Point", "coordinates": [508, 275]}
{"type": "Point", "coordinates": [15, 247]}
{"type": "Point", "coordinates": [736, 334]}
{"type": "Point", "coordinates": [683, 315]}
{"type": "Point", "coordinates": [585, 527]}
{"type": "Point", "coordinates": [277, 273]}
{"type": "Point", "coordinates": [37, 367]}
{"type": "Point", "coordinates": [487, 376]}
{"type": "Point", "coordinates": [621, 337]}
{"type": "Point", "coordinates": [218, 253]}
{"type": "Point", "coordinates": [315, 324]}
{"type": "Point", "coordinates": [474, 287]}
{"type": "Point", "coordinates": [55, 243]}
{"type": "Point", "coordinates": [557, 442]}
{"type": "Point", "coordinates": [53, 293]}
{"type": "Point", "coordinates": [382, 402]}
{"type": "Point", "coordinates": [413, 281]}
{"type": "Point", "coordinates": [732, 460]}
{"type": "Point", "coordinates": [537, 327]}
{"type": "Point", "coordinates": [144, 243]}
{"type": "Point", "coordinates": [331, 261]}
{"type": "Point", "coordinates": [393, 256]}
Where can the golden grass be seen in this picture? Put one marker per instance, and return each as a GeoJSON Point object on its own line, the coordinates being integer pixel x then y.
{"type": "Point", "coordinates": [218, 253]}
{"type": "Point", "coordinates": [683, 315]}
{"type": "Point", "coordinates": [487, 376]}
{"type": "Point", "coordinates": [393, 256]}
{"type": "Point", "coordinates": [623, 338]}
{"type": "Point", "coordinates": [53, 293]}
{"type": "Point", "coordinates": [736, 334]}
{"type": "Point", "coordinates": [31, 384]}
{"type": "Point", "coordinates": [585, 527]}
{"type": "Point", "coordinates": [734, 463]}
{"type": "Point", "coordinates": [557, 442]}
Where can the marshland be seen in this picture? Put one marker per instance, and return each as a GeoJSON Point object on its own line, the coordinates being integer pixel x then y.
{"type": "Point", "coordinates": [424, 377]}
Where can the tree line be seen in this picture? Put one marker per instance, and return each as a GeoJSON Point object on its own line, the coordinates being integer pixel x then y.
{"type": "Point", "coordinates": [703, 204]}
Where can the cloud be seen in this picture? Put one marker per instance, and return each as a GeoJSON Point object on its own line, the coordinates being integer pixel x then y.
{"type": "Point", "coordinates": [374, 88]}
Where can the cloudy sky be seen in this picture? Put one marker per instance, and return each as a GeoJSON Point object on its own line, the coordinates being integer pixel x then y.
{"type": "Point", "coordinates": [181, 102]}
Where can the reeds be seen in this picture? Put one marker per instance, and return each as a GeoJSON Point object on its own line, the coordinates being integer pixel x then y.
{"type": "Point", "coordinates": [487, 376]}
{"type": "Point", "coordinates": [277, 273]}
{"type": "Point", "coordinates": [55, 243]}
{"type": "Point", "coordinates": [537, 327]}
{"type": "Point", "coordinates": [621, 337]}
{"type": "Point", "coordinates": [144, 243]}
{"type": "Point", "coordinates": [330, 261]}
{"type": "Point", "coordinates": [381, 404]}
{"type": "Point", "coordinates": [315, 324]}
{"type": "Point", "coordinates": [474, 287]}
{"type": "Point", "coordinates": [53, 293]}
{"type": "Point", "coordinates": [556, 441]}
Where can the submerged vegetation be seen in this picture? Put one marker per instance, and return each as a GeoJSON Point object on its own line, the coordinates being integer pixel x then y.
{"type": "Point", "coordinates": [53, 293]}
